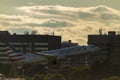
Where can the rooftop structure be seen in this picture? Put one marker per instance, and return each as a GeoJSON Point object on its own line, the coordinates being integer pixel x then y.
{"type": "Point", "coordinates": [68, 43]}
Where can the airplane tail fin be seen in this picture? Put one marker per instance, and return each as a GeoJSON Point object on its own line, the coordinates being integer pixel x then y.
{"type": "Point", "coordinates": [13, 54]}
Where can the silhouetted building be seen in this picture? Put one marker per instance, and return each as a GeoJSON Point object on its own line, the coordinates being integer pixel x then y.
{"type": "Point", "coordinates": [29, 43]}
{"type": "Point", "coordinates": [109, 44]}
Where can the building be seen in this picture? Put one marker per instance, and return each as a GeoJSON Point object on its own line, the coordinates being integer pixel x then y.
{"type": "Point", "coordinates": [109, 44]}
{"type": "Point", "coordinates": [29, 42]}
{"type": "Point", "coordinates": [68, 44]}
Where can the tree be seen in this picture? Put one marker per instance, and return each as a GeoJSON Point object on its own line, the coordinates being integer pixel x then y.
{"type": "Point", "coordinates": [55, 76]}
{"type": "Point", "coordinates": [37, 77]}
{"type": "Point", "coordinates": [112, 78]}
{"type": "Point", "coordinates": [13, 72]}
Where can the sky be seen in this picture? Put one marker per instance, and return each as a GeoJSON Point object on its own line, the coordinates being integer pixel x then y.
{"type": "Point", "coordinates": [71, 19]}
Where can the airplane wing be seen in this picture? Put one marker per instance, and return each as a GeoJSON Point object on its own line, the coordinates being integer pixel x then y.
{"type": "Point", "coordinates": [46, 55]}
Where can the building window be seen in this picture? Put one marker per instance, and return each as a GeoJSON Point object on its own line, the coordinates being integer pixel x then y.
{"type": "Point", "coordinates": [41, 49]}
{"type": "Point", "coordinates": [41, 43]}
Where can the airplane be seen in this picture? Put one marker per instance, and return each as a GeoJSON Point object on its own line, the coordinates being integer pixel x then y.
{"type": "Point", "coordinates": [51, 56]}
{"type": "Point", "coordinates": [16, 56]}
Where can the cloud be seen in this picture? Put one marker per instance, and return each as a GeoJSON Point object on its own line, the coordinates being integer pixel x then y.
{"type": "Point", "coordinates": [69, 22]}
{"type": "Point", "coordinates": [8, 20]}
{"type": "Point", "coordinates": [57, 23]}
{"type": "Point", "coordinates": [90, 13]}
{"type": "Point", "coordinates": [12, 17]}
{"type": "Point", "coordinates": [106, 16]}
{"type": "Point", "coordinates": [86, 15]}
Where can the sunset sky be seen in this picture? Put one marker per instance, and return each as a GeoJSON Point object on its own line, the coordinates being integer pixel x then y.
{"type": "Point", "coordinates": [72, 19]}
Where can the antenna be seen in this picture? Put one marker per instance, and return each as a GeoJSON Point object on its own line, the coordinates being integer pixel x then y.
{"type": "Point", "coordinates": [53, 33]}
{"type": "Point", "coordinates": [100, 31]}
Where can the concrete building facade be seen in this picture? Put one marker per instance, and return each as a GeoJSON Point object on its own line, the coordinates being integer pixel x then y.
{"type": "Point", "coordinates": [28, 43]}
{"type": "Point", "coordinates": [109, 44]}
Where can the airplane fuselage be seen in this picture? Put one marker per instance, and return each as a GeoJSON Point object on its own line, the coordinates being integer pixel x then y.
{"type": "Point", "coordinates": [48, 56]}
{"type": "Point", "coordinates": [75, 50]}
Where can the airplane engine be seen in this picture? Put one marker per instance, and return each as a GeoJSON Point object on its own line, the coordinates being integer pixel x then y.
{"type": "Point", "coordinates": [55, 61]}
